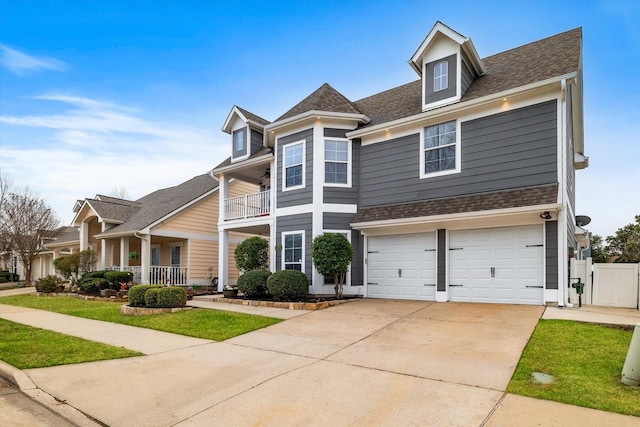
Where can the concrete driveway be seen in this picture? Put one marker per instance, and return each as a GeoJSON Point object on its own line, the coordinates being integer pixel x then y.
{"type": "Point", "coordinates": [368, 362]}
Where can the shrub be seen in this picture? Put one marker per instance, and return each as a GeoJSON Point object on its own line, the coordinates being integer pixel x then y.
{"type": "Point", "coordinates": [49, 284]}
{"type": "Point", "coordinates": [165, 297]}
{"type": "Point", "coordinates": [117, 277]}
{"type": "Point", "coordinates": [136, 294]}
{"type": "Point", "coordinates": [94, 274]}
{"type": "Point", "coordinates": [252, 254]}
{"type": "Point", "coordinates": [92, 286]}
{"type": "Point", "coordinates": [253, 284]}
{"type": "Point", "coordinates": [288, 285]}
{"type": "Point", "coordinates": [331, 254]}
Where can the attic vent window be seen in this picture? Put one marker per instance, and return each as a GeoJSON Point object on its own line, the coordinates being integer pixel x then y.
{"type": "Point", "coordinates": [238, 137]}
{"type": "Point", "coordinates": [441, 76]}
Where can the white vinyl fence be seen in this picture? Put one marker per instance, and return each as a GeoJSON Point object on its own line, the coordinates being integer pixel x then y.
{"type": "Point", "coordinates": [611, 285]}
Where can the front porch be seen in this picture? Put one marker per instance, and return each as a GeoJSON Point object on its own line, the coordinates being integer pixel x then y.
{"type": "Point", "coordinates": [158, 274]}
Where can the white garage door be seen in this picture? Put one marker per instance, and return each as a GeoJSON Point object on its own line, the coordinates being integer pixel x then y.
{"type": "Point", "coordinates": [497, 265]}
{"type": "Point", "coordinates": [402, 266]}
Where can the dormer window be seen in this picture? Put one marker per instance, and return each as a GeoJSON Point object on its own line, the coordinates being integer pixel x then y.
{"type": "Point", "coordinates": [238, 137]}
{"type": "Point", "coordinates": [240, 150]}
{"type": "Point", "coordinates": [441, 76]}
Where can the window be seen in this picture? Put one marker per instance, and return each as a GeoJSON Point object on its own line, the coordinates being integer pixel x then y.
{"type": "Point", "coordinates": [238, 140]}
{"type": "Point", "coordinates": [293, 251]}
{"type": "Point", "coordinates": [293, 165]}
{"type": "Point", "coordinates": [155, 255]}
{"type": "Point", "coordinates": [440, 148]}
{"type": "Point", "coordinates": [336, 162]}
{"type": "Point", "coordinates": [441, 76]}
{"type": "Point", "coordinates": [175, 256]}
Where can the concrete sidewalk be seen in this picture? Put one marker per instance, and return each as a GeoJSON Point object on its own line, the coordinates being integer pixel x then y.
{"type": "Point", "coordinates": [369, 362]}
{"type": "Point", "coordinates": [627, 317]}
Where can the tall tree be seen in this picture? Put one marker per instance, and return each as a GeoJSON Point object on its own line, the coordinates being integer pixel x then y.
{"type": "Point", "coordinates": [599, 253]}
{"type": "Point", "coordinates": [5, 245]}
{"type": "Point", "coordinates": [625, 244]}
{"type": "Point", "coordinates": [27, 222]}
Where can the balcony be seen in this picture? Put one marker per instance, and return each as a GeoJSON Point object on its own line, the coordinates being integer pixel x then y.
{"type": "Point", "coordinates": [247, 206]}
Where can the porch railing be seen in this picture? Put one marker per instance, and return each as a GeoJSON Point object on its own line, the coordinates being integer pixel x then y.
{"type": "Point", "coordinates": [247, 206]}
{"type": "Point", "coordinates": [164, 275]}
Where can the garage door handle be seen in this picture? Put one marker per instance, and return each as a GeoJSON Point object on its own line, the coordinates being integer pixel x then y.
{"type": "Point", "coordinates": [454, 286]}
{"type": "Point", "coordinates": [534, 286]}
{"type": "Point", "coordinates": [371, 283]}
{"type": "Point", "coordinates": [429, 284]}
{"type": "Point", "coordinates": [399, 272]}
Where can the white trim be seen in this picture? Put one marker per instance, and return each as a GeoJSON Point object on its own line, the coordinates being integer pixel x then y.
{"type": "Point", "coordinates": [272, 127]}
{"type": "Point", "coordinates": [339, 208]}
{"type": "Point", "coordinates": [282, 256]}
{"type": "Point", "coordinates": [250, 162]}
{"type": "Point", "coordinates": [317, 220]}
{"type": "Point", "coordinates": [246, 131]}
{"type": "Point", "coordinates": [294, 210]}
{"type": "Point", "coordinates": [185, 235]}
{"type": "Point", "coordinates": [439, 78]}
{"type": "Point", "coordinates": [457, 169]}
{"type": "Point", "coordinates": [303, 143]}
{"type": "Point", "coordinates": [455, 217]}
{"type": "Point", "coordinates": [348, 184]}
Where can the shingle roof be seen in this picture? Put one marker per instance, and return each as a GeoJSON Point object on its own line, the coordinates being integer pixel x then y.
{"type": "Point", "coordinates": [263, 151]}
{"type": "Point", "coordinates": [544, 59]}
{"type": "Point", "coordinates": [161, 203]}
{"type": "Point", "coordinates": [325, 98]}
{"type": "Point", "coordinates": [530, 196]}
{"type": "Point", "coordinates": [254, 117]}
{"type": "Point", "coordinates": [117, 211]}
{"type": "Point", "coordinates": [65, 235]}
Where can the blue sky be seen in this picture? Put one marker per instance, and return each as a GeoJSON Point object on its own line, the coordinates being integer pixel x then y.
{"type": "Point", "coordinates": [98, 95]}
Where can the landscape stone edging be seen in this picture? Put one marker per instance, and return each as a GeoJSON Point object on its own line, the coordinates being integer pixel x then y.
{"type": "Point", "coordinates": [288, 305]}
{"type": "Point", "coordinates": [143, 311]}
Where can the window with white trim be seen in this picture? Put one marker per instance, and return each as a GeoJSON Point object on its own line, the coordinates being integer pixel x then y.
{"type": "Point", "coordinates": [293, 170]}
{"type": "Point", "coordinates": [441, 76]}
{"type": "Point", "coordinates": [337, 162]}
{"type": "Point", "coordinates": [293, 251]}
{"type": "Point", "coordinates": [238, 139]}
{"type": "Point", "coordinates": [440, 149]}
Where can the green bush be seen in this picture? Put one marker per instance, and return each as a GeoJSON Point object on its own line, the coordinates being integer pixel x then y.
{"type": "Point", "coordinates": [92, 286]}
{"type": "Point", "coordinates": [252, 254]}
{"type": "Point", "coordinates": [288, 285]}
{"type": "Point", "coordinates": [136, 294]}
{"type": "Point", "coordinates": [165, 297]}
{"type": "Point", "coordinates": [49, 284]}
{"type": "Point", "coordinates": [117, 277]}
{"type": "Point", "coordinates": [3, 279]}
{"type": "Point", "coordinates": [94, 275]}
{"type": "Point", "coordinates": [253, 284]}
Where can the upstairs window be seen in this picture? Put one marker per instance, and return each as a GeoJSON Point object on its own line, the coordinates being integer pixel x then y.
{"type": "Point", "coordinates": [293, 248]}
{"type": "Point", "coordinates": [293, 165]}
{"type": "Point", "coordinates": [441, 76]}
{"type": "Point", "coordinates": [239, 139]}
{"type": "Point", "coordinates": [336, 162]}
{"type": "Point", "coordinates": [440, 149]}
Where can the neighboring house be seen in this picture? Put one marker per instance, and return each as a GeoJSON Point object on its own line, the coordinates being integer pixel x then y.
{"type": "Point", "coordinates": [66, 242]}
{"type": "Point", "coordinates": [168, 236]}
{"type": "Point", "coordinates": [458, 186]}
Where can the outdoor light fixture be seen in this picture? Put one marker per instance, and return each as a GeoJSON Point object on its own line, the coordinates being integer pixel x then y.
{"type": "Point", "coordinates": [545, 215]}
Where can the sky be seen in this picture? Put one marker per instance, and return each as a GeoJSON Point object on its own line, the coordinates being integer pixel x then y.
{"type": "Point", "coordinates": [100, 97]}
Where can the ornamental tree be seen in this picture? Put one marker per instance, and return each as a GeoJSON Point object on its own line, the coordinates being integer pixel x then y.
{"type": "Point", "coordinates": [332, 254]}
{"type": "Point", "coordinates": [252, 254]}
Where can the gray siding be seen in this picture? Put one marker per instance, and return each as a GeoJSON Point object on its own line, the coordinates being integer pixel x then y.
{"type": "Point", "coordinates": [467, 78]}
{"type": "Point", "coordinates": [256, 141]}
{"type": "Point", "coordinates": [551, 254]}
{"type": "Point", "coordinates": [295, 223]}
{"type": "Point", "coordinates": [442, 260]}
{"type": "Point", "coordinates": [357, 275]}
{"type": "Point", "coordinates": [336, 221]}
{"type": "Point", "coordinates": [305, 195]}
{"type": "Point", "coordinates": [346, 195]}
{"type": "Point", "coordinates": [502, 151]}
{"type": "Point", "coordinates": [571, 170]}
{"type": "Point", "coordinates": [243, 152]}
{"type": "Point", "coordinates": [429, 94]}
{"type": "Point", "coordinates": [572, 241]}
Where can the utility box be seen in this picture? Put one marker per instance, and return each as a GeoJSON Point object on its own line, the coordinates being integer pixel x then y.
{"type": "Point", "coordinates": [631, 368]}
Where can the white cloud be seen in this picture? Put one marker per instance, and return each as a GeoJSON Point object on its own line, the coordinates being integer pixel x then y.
{"type": "Point", "coordinates": [96, 146]}
{"type": "Point", "coordinates": [20, 63]}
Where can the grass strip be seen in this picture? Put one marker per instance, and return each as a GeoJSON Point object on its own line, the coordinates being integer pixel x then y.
{"type": "Point", "coordinates": [216, 325]}
{"type": "Point", "coordinates": [586, 362]}
{"type": "Point", "coordinates": [27, 347]}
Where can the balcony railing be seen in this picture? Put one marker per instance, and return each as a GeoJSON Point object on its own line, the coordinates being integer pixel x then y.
{"type": "Point", "coordinates": [247, 206]}
{"type": "Point", "coordinates": [164, 275]}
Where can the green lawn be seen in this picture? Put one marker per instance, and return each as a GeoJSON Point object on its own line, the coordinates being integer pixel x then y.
{"type": "Point", "coordinates": [209, 324]}
{"type": "Point", "coordinates": [26, 347]}
{"type": "Point", "coordinates": [586, 361]}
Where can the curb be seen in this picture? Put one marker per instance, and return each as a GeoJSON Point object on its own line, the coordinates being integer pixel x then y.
{"type": "Point", "coordinates": [16, 376]}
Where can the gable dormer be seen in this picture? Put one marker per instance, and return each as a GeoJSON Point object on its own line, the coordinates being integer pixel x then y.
{"type": "Point", "coordinates": [247, 133]}
{"type": "Point", "coordinates": [448, 63]}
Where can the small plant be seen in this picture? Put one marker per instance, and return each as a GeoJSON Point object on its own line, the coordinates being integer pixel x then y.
{"type": "Point", "coordinates": [137, 292]}
{"type": "Point", "coordinates": [133, 255]}
{"type": "Point", "coordinates": [92, 286]}
{"type": "Point", "coordinates": [252, 254]}
{"type": "Point", "coordinates": [49, 284]}
{"type": "Point", "coordinates": [332, 254]}
{"type": "Point", "coordinates": [288, 285]}
{"type": "Point", "coordinates": [115, 278]}
{"type": "Point", "coordinates": [165, 297]}
{"type": "Point", "coordinates": [253, 284]}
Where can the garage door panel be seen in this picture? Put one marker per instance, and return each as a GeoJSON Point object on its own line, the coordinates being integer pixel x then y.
{"type": "Point", "coordinates": [513, 254]}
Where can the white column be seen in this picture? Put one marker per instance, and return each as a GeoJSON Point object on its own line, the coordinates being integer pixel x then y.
{"type": "Point", "coordinates": [124, 252]}
{"type": "Point", "coordinates": [145, 257]}
{"type": "Point", "coordinates": [223, 194]}
{"type": "Point", "coordinates": [272, 246]}
{"type": "Point", "coordinates": [104, 256]}
{"type": "Point", "coordinates": [223, 259]}
{"type": "Point", "coordinates": [84, 236]}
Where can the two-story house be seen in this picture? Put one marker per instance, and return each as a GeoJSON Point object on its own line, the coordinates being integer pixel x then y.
{"type": "Point", "coordinates": [458, 186]}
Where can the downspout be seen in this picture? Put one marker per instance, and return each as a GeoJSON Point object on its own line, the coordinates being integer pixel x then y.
{"type": "Point", "coordinates": [562, 215]}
